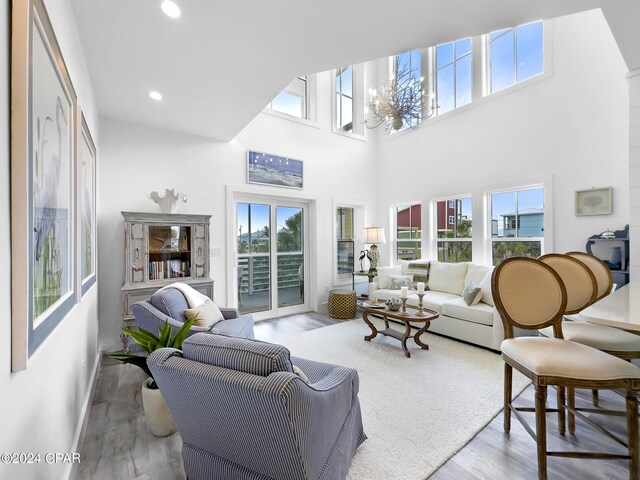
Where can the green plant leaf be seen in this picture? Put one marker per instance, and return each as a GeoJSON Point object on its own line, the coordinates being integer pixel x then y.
{"type": "Point", "coordinates": [165, 335]}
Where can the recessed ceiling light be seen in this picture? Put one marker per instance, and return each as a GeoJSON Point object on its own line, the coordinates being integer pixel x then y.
{"type": "Point", "coordinates": [155, 95]}
{"type": "Point", "coordinates": [170, 8]}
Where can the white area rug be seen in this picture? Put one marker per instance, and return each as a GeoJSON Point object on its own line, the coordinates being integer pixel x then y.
{"type": "Point", "coordinates": [418, 411]}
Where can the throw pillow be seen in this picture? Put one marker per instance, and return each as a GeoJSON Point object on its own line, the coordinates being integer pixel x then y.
{"type": "Point", "coordinates": [472, 294]}
{"type": "Point", "coordinates": [420, 272]}
{"type": "Point", "coordinates": [301, 374]}
{"type": "Point", "coordinates": [397, 281]}
{"type": "Point", "coordinates": [485, 285]}
{"type": "Point", "coordinates": [385, 272]}
{"type": "Point", "coordinates": [208, 314]}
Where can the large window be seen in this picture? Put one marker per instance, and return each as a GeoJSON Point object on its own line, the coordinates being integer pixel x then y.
{"type": "Point", "coordinates": [411, 63]}
{"type": "Point", "coordinates": [515, 55]}
{"type": "Point", "coordinates": [408, 232]}
{"type": "Point", "coordinates": [344, 229]}
{"type": "Point", "coordinates": [452, 75]}
{"type": "Point", "coordinates": [293, 100]}
{"type": "Point", "coordinates": [517, 224]}
{"type": "Point", "coordinates": [454, 229]}
{"type": "Point", "coordinates": [344, 99]}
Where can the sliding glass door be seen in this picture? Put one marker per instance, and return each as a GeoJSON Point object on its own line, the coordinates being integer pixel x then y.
{"type": "Point", "coordinates": [271, 257]}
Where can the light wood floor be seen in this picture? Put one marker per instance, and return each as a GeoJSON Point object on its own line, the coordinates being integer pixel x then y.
{"type": "Point", "coordinates": [118, 445]}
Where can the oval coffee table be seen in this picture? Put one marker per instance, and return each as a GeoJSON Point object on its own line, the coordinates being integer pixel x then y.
{"type": "Point", "coordinates": [407, 319]}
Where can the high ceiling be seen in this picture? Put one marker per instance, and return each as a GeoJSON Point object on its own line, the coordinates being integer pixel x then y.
{"type": "Point", "coordinates": [220, 63]}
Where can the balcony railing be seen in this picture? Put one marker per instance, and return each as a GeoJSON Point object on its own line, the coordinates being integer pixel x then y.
{"type": "Point", "coordinates": [254, 272]}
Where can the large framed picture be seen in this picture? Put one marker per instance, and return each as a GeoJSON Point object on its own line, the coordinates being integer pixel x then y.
{"type": "Point", "coordinates": [87, 205]}
{"type": "Point", "coordinates": [267, 169]}
{"type": "Point", "coordinates": [595, 201]}
{"type": "Point", "coordinates": [43, 103]}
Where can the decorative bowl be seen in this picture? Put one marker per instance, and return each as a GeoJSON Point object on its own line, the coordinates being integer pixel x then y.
{"type": "Point", "coordinates": [394, 304]}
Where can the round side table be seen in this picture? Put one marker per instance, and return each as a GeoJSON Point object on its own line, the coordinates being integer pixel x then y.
{"type": "Point", "coordinates": [342, 303]}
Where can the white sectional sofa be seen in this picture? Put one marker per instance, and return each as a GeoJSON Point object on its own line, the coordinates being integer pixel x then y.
{"type": "Point", "coordinates": [479, 324]}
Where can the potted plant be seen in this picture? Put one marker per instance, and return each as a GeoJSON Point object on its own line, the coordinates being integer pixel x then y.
{"type": "Point", "coordinates": [156, 411]}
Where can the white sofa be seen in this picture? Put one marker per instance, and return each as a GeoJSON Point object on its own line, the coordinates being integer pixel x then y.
{"type": "Point", "coordinates": [479, 324]}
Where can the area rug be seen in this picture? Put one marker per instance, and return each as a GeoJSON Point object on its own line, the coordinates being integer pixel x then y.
{"type": "Point", "coordinates": [418, 411]}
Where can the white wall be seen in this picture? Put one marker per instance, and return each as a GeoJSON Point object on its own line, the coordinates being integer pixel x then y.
{"type": "Point", "coordinates": [572, 126]}
{"type": "Point", "coordinates": [136, 160]}
{"type": "Point", "coordinates": [42, 408]}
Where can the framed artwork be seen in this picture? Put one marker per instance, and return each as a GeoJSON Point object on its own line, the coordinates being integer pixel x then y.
{"type": "Point", "coordinates": [87, 205]}
{"type": "Point", "coordinates": [267, 169]}
{"type": "Point", "coordinates": [595, 201]}
{"type": "Point", "coordinates": [43, 104]}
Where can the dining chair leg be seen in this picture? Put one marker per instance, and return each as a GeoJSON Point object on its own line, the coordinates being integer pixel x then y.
{"type": "Point", "coordinates": [561, 410]}
{"type": "Point", "coordinates": [541, 430]}
{"type": "Point", "coordinates": [632, 427]}
{"type": "Point", "coordinates": [595, 398]}
{"type": "Point", "coordinates": [571, 402]}
{"type": "Point", "coordinates": [508, 375]}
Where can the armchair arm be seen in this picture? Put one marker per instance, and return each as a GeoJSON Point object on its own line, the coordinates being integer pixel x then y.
{"type": "Point", "coordinates": [322, 408]}
{"type": "Point", "coordinates": [150, 318]}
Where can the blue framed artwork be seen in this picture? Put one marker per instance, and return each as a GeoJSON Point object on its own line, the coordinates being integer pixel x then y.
{"type": "Point", "coordinates": [43, 213]}
{"type": "Point", "coordinates": [268, 169]}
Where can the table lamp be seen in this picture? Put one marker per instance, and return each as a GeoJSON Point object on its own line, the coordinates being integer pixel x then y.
{"type": "Point", "coordinates": [372, 236]}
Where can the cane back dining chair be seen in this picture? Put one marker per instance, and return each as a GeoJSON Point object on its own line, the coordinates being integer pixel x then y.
{"type": "Point", "coordinates": [625, 345]}
{"type": "Point", "coordinates": [529, 294]}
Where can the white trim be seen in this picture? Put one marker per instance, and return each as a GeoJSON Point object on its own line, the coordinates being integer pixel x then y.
{"type": "Point", "coordinates": [291, 118]}
{"type": "Point", "coordinates": [633, 73]}
{"type": "Point", "coordinates": [233, 193]}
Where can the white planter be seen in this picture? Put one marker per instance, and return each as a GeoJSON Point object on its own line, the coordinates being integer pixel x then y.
{"type": "Point", "coordinates": [157, 413]}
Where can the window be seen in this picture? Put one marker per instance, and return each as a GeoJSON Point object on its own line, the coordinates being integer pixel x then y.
{"type": "Point", "coordinates": [293, 100]}
{"type": "Point", "coordinates": [454, 229]}
{"type": "Point", "coordinates": [453, 77]}
{"type": "Point", "coordinates": [515, 55]}
{"type": "Point", "coordinates": [410, 62]}
{"type": "Point", "coordinates": [517, 224]}
{"type": "Point", "coordinates": [344, 99]}
{"type": "Point", "coordinates": [408, 232]}
{"type": "Point", "coordinates": [344, 229]}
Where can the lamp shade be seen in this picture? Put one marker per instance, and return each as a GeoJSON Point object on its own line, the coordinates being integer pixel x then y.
{"type": "Point", "coordinates": [373, 235]}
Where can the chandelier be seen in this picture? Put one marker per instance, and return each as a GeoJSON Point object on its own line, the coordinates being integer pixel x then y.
{"type": "Point", "coordinates": [401, 102]}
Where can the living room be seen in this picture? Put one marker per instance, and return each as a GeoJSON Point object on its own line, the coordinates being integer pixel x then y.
{"type": "Point", "coordinates": [564, 130]}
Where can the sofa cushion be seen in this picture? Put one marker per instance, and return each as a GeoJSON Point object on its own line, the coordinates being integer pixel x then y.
{"type": "Point", "coordinates": [476, 272]}
{"type": "Point", "coordinates": [397, 281]}
{"type": "Point", "coordinates": [419, 269]}
{"type": "Point", "coordinates": [385, 272]}
{"type": "Point", "coordinates": [432, 300]}
{"type": "Point", "coordinates": [387, 294]}
{"type": "Point", "coordinates": [480, 313]}
{"type": "Point", "coordinates": [447, 277]}
{"type": "Point", "coordinates": [249, 356]}
{"type": "Point", "coordinates": [170, 301]}
{"type": "Point", "coordinates": [485, 285]}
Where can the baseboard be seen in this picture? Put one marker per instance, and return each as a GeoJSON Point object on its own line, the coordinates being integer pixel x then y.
{"type": "Point", "coordinates": [82, 427]}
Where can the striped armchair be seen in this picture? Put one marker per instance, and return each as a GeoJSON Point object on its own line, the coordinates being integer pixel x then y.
{"type": "Point", "coordinates": [244, 414]}
{"type": "Point", "coordinates": [169, 305]}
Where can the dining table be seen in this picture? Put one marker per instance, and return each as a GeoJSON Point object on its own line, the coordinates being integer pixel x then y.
{"type": "Point", "coordinates": [620, 309]}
